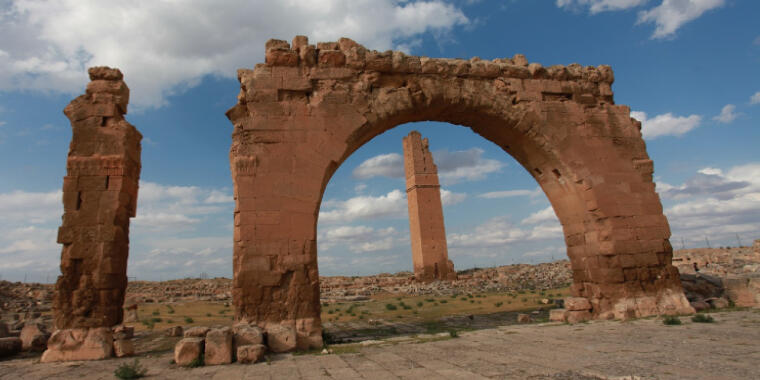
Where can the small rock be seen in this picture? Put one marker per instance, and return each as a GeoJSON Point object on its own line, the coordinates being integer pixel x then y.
{"type": "Point", "coordinates": [250, 353]}
{"type": "Point", "coordinates": [557, 315]}
{"type": "Point", "coordinates": [123, 332]}
{"type": "Point", "coordinates": [174, 331]}
{"type": "Point", "coordinates": [34, 337]}
{"type": "Point", "coordinates": [197, 332]}
{"type": "Point", "coordinates": [245, 334]}
{"type": "Point", "coordinates": [187, 350]}
{"type": "Point", "coordinates": [577, 304]}
{"type": "Point", "coordinates": [218, 346]}
{"type": "Point", "coordinates": [324, 351]}
{"type": "Point", "coordinates": [700, 305]}
{"type": "Point", "coordinates": [123, 347]}
{"type": "Point", "coordinates": [575, 316]}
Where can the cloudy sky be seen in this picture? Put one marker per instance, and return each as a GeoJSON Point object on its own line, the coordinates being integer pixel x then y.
{"type": "Point", "coordinates": [687, 68]}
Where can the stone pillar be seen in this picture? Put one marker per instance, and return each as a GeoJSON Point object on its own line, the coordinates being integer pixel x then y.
{"type": "Point", "coordinates": [99, 197]}
{"type": "Point", "coordinates": [430, 254]}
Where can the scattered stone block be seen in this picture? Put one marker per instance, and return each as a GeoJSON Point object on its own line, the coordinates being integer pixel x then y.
{"type": "Point", "coordinates": [524, 318]}
{"type": "Point", "coordinates": [558, 315]}
{"type": "Point", "coordinates": [187, 350]}
{"type": "Point", "coordinates": [79, 344]}
{"type": "Point", "coordinates": [4, 330]}
{"type": "Point", "coordinates": [218, 346]}
{"type": "Point", "coordinates": [34, 337]}
{"type": "Point", "coordinates": [700, 305]}
{"type": "Point", "coordinates": [250, 353]}
{"type": "Point", "coordinates": [577, 304]}
{"type": "Point", "coordinates": [123, 347]}
{"type": "Point", "coordinates": [576, 316]}
{"type": "Point", "coordinates": [281, 338]}
{"type": "Point", "coordinates": [245, 334]}
{"type": "Point", "coordinates": [197, 332]}
{"type": "Point", "coordinates": [10, 346]}
{"type": "Point", "coordinates": [123, 332]}
{"type": "Point", "coordinates": [174, 331]}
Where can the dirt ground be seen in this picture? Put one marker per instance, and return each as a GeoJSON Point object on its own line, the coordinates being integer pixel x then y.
{"type": "Point", "coordinates": [639, 349]}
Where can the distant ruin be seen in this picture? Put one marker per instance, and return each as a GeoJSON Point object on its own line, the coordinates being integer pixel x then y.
{"type": "Point", "coordinates": [302, 113]}
{"type": "Point", "coordinates": [430, 255]}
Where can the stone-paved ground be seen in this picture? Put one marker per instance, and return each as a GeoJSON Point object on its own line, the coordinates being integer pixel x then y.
{"type": "Point", "coordinates": [647, 349]}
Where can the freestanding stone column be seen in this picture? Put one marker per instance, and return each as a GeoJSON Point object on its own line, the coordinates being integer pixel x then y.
{"type": "Point", "coordinates": [99, 197]}
{"type": "Point", "coordinates": [430, 254]}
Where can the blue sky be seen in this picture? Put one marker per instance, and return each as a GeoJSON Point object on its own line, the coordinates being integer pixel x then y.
{"type": "Point", "coordinates": [687, 68]}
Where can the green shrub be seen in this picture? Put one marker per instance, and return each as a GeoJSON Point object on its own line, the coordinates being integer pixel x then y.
{"type": "Point", "coordinates": [671, 320]}
{"type": "Point", "coordinates": [130, 370]}
{"type": "Point", "coordinates": [188, 320]}
{"type": "Point", "coordinates": [155, 312]}
{"type": "Point", "coordinates": [498, 304]}
{"type": "Point", "coordinates": [453, 333]}
{"type": "Point", "coordinates": [197, 362]}
{"type": "Point", "coordinates": [443, 301]}
{"type": "Point", "coordinates": [419, 304]}
{"type": "Point", "coordinates": [390, 306]}
{"type": "Point", "coordinates": [702, 318]}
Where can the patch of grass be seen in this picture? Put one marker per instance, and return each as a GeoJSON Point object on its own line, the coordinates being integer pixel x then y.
{"type": "Point", "coordinates": [453, 333]}
{"type": "Point", "coordinates": [156, 312]}
{"type": "Point", "coordinates": [419, 304]}
{"type": "Point", "coordinates": [130, 370]}
{"type": "Point", "coordinates": [702, 318]}
{"type": "Point", "coordinates": [197, 362]}
{"type": "Point", "coordinates": [188, 320]}
{"type": "Point", "coordinates": [443, 301]}
{"type": "Point", "coordinates": [390, 306]}
{"type": "Point", "coordinates": [671, 320]}
{"type": "Point", "coordinates": [498, 304]}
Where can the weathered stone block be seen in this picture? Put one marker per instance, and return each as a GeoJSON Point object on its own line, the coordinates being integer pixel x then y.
{"type": "Point", "coordinates": [576, 316]}
{"type": "Point", "coordinates": [123, 347]}
{"type": "Point", "coordinates": [250, 353]}
{"type": "Point", "coordinates": [10, 346]}
{"type": "Point", "coordinates": [79, 344]}
{"type": "Point", "coordinates": [218, 346]}
{"type": "Point", "coordinates": [577, 304]}
{"type": "Point", "coordinates": [281, 338]}
{"type": "Point", "coordinates": [34, 337]}
{"type": "Point", "coordinates": [187, 350]}
{"type": "Point", "coordinates": [197, 332]}
{"type": "Point", "coordinates": [558, 315]}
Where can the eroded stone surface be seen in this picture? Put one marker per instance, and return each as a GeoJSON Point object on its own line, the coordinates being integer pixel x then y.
{"type": "Point", "coordinates": [218, 346]}
{"type": "Point", "coordinates": [250, 353]}
{"type": "Point", "coordinates": [34, 337]}
{"type": "Point", "coordinates": [99, 197]}
{"type": "Point", "coordinates": [187, 350]}
{"type": "Point", "coordinates": [305, 110]}
{"type": "Point", "coordinates": [281, 338]}
{"type": "Point", "coordinates": [79, 344]}
{"type": "Point", "coordinates": [430, 254]}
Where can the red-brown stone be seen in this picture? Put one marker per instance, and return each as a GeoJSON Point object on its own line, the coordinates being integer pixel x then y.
{"type": "Point", "coordinates": [298, 119]}
{"type": "Point", "coordinates": [430, 254]}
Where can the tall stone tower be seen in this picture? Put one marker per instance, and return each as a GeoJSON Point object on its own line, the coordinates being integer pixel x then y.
{"type": "Point", "coordinates": [428, 234]}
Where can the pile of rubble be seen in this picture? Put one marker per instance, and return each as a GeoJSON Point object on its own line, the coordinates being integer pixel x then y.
{"type": "Point", "coordinates": [504, 278]}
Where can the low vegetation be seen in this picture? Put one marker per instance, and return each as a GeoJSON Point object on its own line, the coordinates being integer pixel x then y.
{"type": "Point", "coordinates": [671, 320]}
{"type": "Point", "coordinates": [131, 370]}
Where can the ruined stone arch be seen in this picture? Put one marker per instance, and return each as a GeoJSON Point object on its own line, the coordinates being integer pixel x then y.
{"type": "Point", "coordinates": [308, 108]}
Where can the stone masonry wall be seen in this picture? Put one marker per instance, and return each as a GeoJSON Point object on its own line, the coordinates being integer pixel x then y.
{"type": "Point", "coordinates": [427, 232]}
{"type": "Point", "coordinates": [305, 110]}
{"type": "Point", "coordinates": [99, 197]}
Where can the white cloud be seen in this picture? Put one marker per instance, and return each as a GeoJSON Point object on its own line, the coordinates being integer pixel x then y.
{"type": "Point", "coordinates": [358, 238]}
{"type": "Point", "coordinates": [453, 167]}
{"type": "Point", "coordinates": [389, 165]}
{"type": "Point", "coordinates": [451, 198]}
{"type": "Point", "coordinates": [464, 165]}
{"type": "Point", "coordinates": [672, 14]}
{"type": "Point", "coordinates": [178, 207]}
{"type": "Point", "coordinates": [500, 231]}
{"type": "Point", "coordinates": [21, 207]}
{"type": "Point", "coordinates": [727, 114]}
{"type": "Point", "coordinates": [666, 124]}
{"type": "Point", "coordinates": [541, 216]}
{"type": "Point", "coordinates": [596, 6]}
{"type": "Point", "coordinates": [163, 47]}
{"type": "Point", "coordinates": [511, 193]}
{"type": "Point", "coordinates": [716, 204]}
{"type": "Point", "coordinates": [392, 205]}
{"type": "Point", "coordinates": [360, 187]}
{"type": "Point", "coordinates": [755, 99]}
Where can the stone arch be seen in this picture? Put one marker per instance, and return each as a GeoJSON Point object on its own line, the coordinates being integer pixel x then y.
{"type": "Point", "coordinates": [308, 108]}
